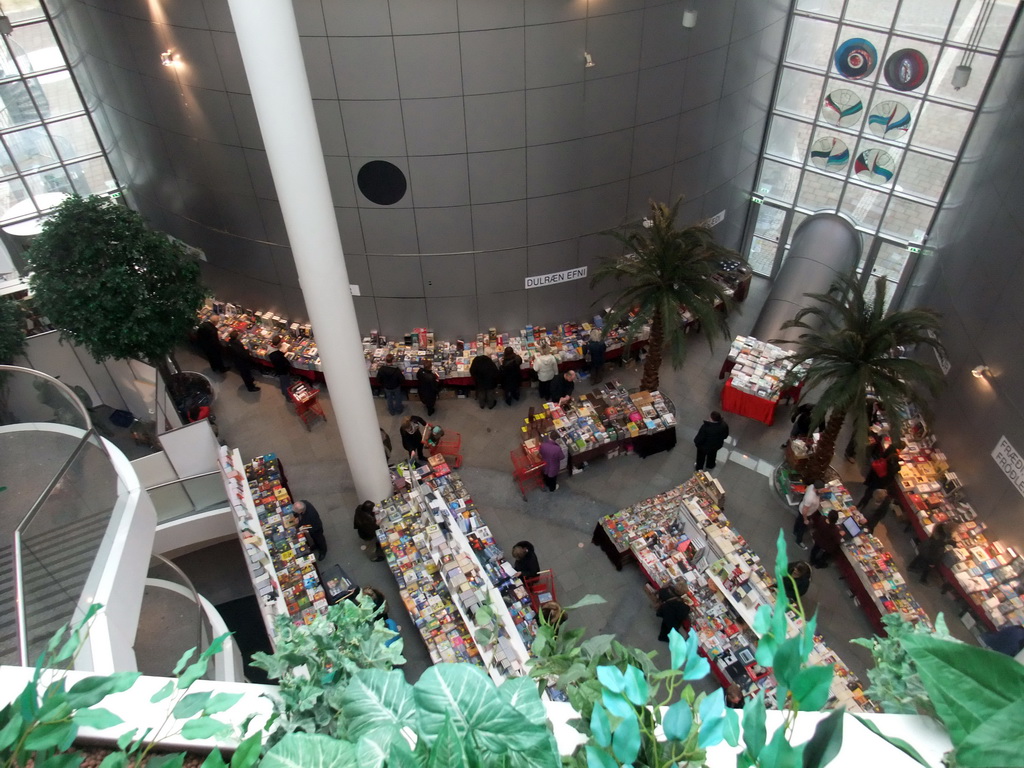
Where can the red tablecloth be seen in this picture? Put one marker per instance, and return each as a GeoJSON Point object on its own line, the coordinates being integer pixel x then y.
{"type": "Point", "coordinates": [744, 404]}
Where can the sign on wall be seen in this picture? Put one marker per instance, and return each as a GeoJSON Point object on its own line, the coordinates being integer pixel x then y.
{"type": "Point", "coordinates": [556, 277]}
{"type": "Point", "coordinates": [1011, 462]}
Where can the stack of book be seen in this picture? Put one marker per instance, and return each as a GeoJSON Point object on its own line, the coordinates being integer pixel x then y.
{"type": "Point", "coordinates": [448, 568]}
{"type": "Point", "coordinates": [759, 368]}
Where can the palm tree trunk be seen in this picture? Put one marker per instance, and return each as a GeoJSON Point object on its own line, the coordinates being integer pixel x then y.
{"type": "Point", "coordinates": [825, 449]}
{"type": "Point", "coordinates": [655, 348]}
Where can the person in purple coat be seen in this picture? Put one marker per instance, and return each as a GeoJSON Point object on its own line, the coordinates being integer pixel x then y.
{"type": "Point", "coordinates": [552, 454]}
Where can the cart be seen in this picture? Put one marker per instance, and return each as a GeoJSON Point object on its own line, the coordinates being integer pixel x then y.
{"type": "Point", "coordinates": [304, 397]}
{"type": "Point", "coordinates": [337, 584]}
{"type": "Point", "coordinates": [542, 589]}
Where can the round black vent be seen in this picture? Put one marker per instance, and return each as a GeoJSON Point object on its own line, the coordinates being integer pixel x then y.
{"type": "Point", "coordinates": [382, 182]}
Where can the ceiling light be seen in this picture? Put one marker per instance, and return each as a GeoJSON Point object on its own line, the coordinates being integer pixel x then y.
{"type": "Point", "coordinates": [981, 371]}
{"type": "Point", "coordinates": [588, 59]}
{"type": "Point", "coordinates": [169, 59]}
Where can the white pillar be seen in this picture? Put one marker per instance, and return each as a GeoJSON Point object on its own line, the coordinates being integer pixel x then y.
{"type": "Point", "coordinates": [269, 40]}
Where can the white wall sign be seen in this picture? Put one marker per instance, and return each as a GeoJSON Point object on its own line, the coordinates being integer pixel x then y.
{"type": "Point", "coordinates": [1011, 462]}
{"type": "Point", "coordinates": [718, 218]}
{"type": "Point", "coordinates": [556, 277]}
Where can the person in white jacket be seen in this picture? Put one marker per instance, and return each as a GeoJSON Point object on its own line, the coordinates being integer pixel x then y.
{"type": "Point", "coordinates": [546, 366]}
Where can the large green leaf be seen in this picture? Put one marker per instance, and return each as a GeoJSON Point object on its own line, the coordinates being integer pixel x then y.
{"type": "Point", "coordinates": [204, 728]}
{"type": "Point", "coordinates": [377, 702]}
{"type": "Point", "coordinates": [968, 685]}
{"type": "Point", "coordinates": [997, 742]}
{"type": "Point", "coordinates": [755, 733]}
{"type": "Point", "coordinates": [306, 750]}
{"type": "Point", "coordinates": [62, 760]}
{"type": "Point", "coordinates": [584, 601]}
{"type": "Point", "coordinates": [810, 687]}
{"type": "Point", "coordinates": [447, 750]}
{"type": "Point", "coordinates": [97, 717]}
{"type": "Point", "coordinates": [897, 742]}
{"type": "Point", "coordinates": [92, 690]}
{"type": "Point", "coordinates": [465, 693]}
{"type": "Point", "coordinates": [50, 736]}
{"type": "Point", "coordinates": [824, 745]}
{"type": "Point", "coordinates": [521, 694]}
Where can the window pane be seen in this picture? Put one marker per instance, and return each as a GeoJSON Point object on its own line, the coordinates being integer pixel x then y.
{"type": "Point", "coordinates": [819, 192]}
{"type": "Point", "coordinates": [923, 176]}
{"type": "Point", "coordinates": [74, 138]}
{"type": "Point", "coordinates": [871, 13]}
{"type": "Point", "coordinates": [11, 194]}
{"type": "Point", "coordinates": [789, 139]}
{"type": "Point", "coordinates": [58, 94]}
{"type": "Point", "coordinates": [824, 7]}
{"type": "Point", "coordinates": [91, 177]}
{"type": "Point", "coordinates": [981, 68]}
{"type": "Point", "coordinates": [799, 92]}
{"type": "Point", "coordinates": [798, 219]}
{"type": "Point", "coordinates": [906, 220]}
{"type": "Point", "coordinates": [6, 166]}
{"type": "Point", "coordinates": [999, 22]}
{"type": "Point", "coordinates": [16, 107]}
{"type": "Point", "coordinates": [35, 49]}
{"type": "Point", "coordinates": [23, 10]}
{"type": "Point", "coordinates": [890, 262]}
{"type": "Point", "coordinates": [908, 66]}
{"type": "Point", "coordinates": [49, 181]}
{"type": "Point", "coordinates": [863, 205]}
{"type": "Point", "coordinates": [927, 18]}
{"type": "Point", "coordinates": [30, 148]}
{"type": "Point", "coordinates": [854, 61]}
{"type": "Point", "coordinates": [942, 128]}
{"type": "Point", "coordinates": [838, 105]}
{"type": "Point", "coordinates": [892, 117]}
{"type": "Point", "coordinates": [762, 255]}
{"type": "Point", "coordinates": [810, 42]}
{"type": "Point", "coordinates": [778, 181]}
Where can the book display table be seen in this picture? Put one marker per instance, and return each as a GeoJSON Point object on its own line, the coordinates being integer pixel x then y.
{"type": "Point", "coordinates": [609, 421]}
{"type": "Point", "coordinates": [987, 575]}
{"type": "Point", "coordinates": [683, 536]}
{"type": "Point", "coordinates": [866, 566]}
{"type": "Point", "coordinates": [281, 564]}
{"type": "Point", "coordinates": [449, 569]}
{"type": "Point", "coordinates": [756, 371]}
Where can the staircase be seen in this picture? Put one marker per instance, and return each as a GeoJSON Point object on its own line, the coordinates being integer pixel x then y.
{"type": "Point", "coordinates": [55, 566]}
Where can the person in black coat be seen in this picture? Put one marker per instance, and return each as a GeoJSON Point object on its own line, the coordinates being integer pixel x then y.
{"type": "Point", "coordinates": [243, 362]}
{"type": "Point", "coordinates": [308, 518]}
{"type": "Point", "coordinates": [883, 473]}
{"type": "Point", "coordinates": [208, 340]}
{"type": "Point", "coordinates": [282, 368]}
{"type": "Point", "coordinates": [525, 560]}
{"type": "Point", "coordinates": [428, 383]}
{"type": "Point", "coordinates": [673, 611]}
{"type": "Point", "coordinates": [799, 572]}
{"type": "Point", "coordinates": [828, 541]}
{"type": "Point", "coordinates": [485, 375]}
{"type": "Point", "coordinates": [709, 438]}
{"type": "Point", "coordinates": [511, 374]}
{"type": "Point", "coordinates": [929, 552]}
{"type": "Point", "coordinates": [366, 525]}
{"type": "Point", "coordinates": [562, 387]}
{"type": "Point", "coordinates": [390, 378]}
{"type": "Point", "coordinates": [412, 436]}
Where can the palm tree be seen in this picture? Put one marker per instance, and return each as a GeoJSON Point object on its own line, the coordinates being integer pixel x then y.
{"type": "Point", "coordinates": [852, 349]}
{"type": "Point", "coordinates": [665, 269]}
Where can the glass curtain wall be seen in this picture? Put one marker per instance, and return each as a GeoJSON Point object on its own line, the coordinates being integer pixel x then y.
{"type": "Point", "coordinates": [48, 145]}
{"type": "Point", "coordinates": [874, 102]}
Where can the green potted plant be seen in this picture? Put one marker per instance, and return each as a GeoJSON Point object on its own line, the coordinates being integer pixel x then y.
{"type": "Point", "coordinates": [111, 284]}
{"type": "Point", "coordinates": [665, 268]}
{"type": "Point", "coordinates": [850, 349]}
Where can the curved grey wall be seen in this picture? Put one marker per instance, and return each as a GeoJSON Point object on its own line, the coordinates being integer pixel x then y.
{"type": "Point", "coordinates": [973, 273]}
{"type": "Point", "coordinates": [516, 154]}
{"type": "Point", "coordinates": [824, 245]}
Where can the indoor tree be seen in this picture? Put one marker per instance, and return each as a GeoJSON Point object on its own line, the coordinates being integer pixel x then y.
{"type": "Point", "coordinates": [850, 349]}
{"type": "Point", "coordinates": [664, 269]}
{"type": "Point", "coordinates": [12, 330]}
{"type": "Point", "coordinates": [113, 285]}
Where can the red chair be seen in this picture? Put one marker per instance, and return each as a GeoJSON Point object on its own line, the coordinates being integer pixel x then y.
{"type": "Point", "coordinates": [541, 588]}
{"type": "Point", "coordinates": [525, 472]}
{"type": "Point", "coordinates": [449, 446]}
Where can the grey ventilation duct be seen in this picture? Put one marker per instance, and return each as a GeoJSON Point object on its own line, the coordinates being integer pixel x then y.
{"type": "Point", "coordinates": [824, 245]}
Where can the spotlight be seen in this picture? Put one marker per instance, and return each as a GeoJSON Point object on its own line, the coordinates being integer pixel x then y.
{"type": "Point", "coordinates": [689, 19]}
{"type": "Point", "coordinates": [168, 59]}
{"type": "Point", "coordinates": [981, 371]}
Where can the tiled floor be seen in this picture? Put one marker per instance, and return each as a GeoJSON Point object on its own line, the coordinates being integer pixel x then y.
{"type": "Point", "coordinates": [560, 524]}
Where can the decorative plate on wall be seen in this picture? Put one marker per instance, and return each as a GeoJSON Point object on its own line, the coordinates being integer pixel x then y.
{"type": "Point", "coordinates": [830, 153]}
{"type": "Point", "coordinates": [906, 69]}
{"type": "Point", "coordinates": [875, 166]}
{"type": "Point", "coordinates": [842, 107]}
{"type": "Point", "coordinates": [889, 119]}
{"type": "Point", "coordinates": [856, 58]}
